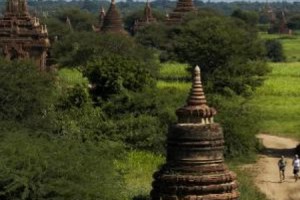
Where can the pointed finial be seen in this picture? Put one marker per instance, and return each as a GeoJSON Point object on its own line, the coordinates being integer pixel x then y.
{"type": "Point", "coordinates": [197, 96]}
{"type": "Point", "coordinates": [196, 109]}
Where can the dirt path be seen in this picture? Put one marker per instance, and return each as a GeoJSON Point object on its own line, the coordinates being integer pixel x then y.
{"type": "Point", "coordinates": [267, 178]}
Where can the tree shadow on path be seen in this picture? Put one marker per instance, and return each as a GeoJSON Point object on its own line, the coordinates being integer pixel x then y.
{"type": "Point", "coordinates": [277, 153]}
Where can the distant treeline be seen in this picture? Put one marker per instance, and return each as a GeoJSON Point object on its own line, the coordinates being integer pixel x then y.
{"type": "Point", "coordinates": [162, 5]}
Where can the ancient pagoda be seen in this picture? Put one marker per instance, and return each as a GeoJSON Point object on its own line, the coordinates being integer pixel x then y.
{"type": "Point", "coordinates": [182, 7]}
{"type": "Point", "coordinates": [101, 16]}
{"type": "Point", "coordinates": [146, 19]}
{"type": "Point", "coordinates": [283, 28]}
{"type": "Point", "coordinates": [112, 22]}
{"type": "Point", "coordinates": [195, 168]}
{"type": "Point", "coordinates": [22, 36]}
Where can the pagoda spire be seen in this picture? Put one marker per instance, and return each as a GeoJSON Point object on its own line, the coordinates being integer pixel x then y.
{"type": "Point", "coordinates": [182, 7]}
{"type": "Point", "coordinates": [197, 96]}
{"type": "Point", "coordinates": [146, 19]}
{"type": "Point", "coordinates": [112, 22]}
{"type": "Point", "coordinates": [148, 12]}
{"type": "Point", "coordinates": [101, 16]}
{"type": "Point", "coordinates": [195, 168]}
{"type": "Point", "coordinates": [196, 109]}
{"type": "Point", "coordinates": [16, 7]}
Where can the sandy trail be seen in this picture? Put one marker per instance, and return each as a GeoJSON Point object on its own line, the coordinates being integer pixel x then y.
{"type": "Point", "coordinates": [267, 178]}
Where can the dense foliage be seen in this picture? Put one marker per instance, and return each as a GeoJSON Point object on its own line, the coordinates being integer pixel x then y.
{"type": "Point", "coordinates": [274, 50]}
{"type": "Point", "coordinates": [25, 92]}
{"type": "Point", "coordinates": [40, 168]}
{"type": "Point", "coordinates": [230, 54]}
{"type": "Point", "coordinates": [103, 100]}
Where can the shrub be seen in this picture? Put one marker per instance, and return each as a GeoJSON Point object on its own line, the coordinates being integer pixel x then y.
{"type": "Point", "coordinates": [240, 122]}
{"type": "Point", "coordinates": [39, 168]}
{"type": "Point", "coordinates": [274, 51]}
{"type": "Point", "coordinates": [25, 92]}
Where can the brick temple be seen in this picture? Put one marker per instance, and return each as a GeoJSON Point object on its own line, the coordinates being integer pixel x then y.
{"type": "Point", "coordinates": [22, 36]}
{"type": "Point", "coordinates": [195, 168]}
{"type": "Point", "coordinates": [146, 19]}
{"type": "Point", "coordinates": [110, 22]}
{"type": "Point", "coordinates": [182, 7]}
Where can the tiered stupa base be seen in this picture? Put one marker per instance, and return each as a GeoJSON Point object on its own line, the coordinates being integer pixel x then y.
{"type": "Point", "coordinates": [195, 168]}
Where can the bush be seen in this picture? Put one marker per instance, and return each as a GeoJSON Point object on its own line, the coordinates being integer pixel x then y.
{"type": "Point", "coordinates": [39, 168]}
{"type": "Point", "coordinates": [240, 122]}
{"type": "Point", "coordinates": [111, 74]}
{"type": "Point", "coordinates": [25, 93]}
{"type": "Point", "coordinates": [275, 51]}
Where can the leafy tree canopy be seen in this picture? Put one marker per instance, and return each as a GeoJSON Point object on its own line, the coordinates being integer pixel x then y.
{"type": "Point", "coordinates": [25, 92]}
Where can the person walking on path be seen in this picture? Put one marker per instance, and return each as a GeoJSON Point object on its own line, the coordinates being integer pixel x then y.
{"type": "Point", "coordinates": [281, 165]}
{"type": "Point", "coordinates": [296, 165]}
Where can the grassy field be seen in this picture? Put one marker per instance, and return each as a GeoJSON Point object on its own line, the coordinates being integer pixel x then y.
{"type": "Point", "coordinates": [278, 100]}
{"type": "Point", "coordinates": [291, 45]}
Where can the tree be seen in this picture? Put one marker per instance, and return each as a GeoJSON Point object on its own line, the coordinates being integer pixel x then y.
{"type": "Point", "coordinates": [25, 92]}
{"type": "Point", "coordinates": [274, 51]}
{"type": "Point", "coordinates": [110, 74]}
{"type": "Point", "coordinates": [229, 55]}
{"type": "Point", "coordinates": [111, 62]}
{"type": "Point", "coordinates": [40, 168]}
{"type": "Point", "coordinates": [294, 22]}
{"type": "Point", "coordinates": [249, 17]}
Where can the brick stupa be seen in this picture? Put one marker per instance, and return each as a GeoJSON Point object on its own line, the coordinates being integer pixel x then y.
{"type": "Point", "coordinates": [112, 22]}
{"type": "Point", "coordinates": [195, 168]}
{"type": "Point", "coordinates": [182, 7]}
{"type": "Point", "coordinates": [22, 36]}
{"type": "Point", "coordinates": [146, 19]}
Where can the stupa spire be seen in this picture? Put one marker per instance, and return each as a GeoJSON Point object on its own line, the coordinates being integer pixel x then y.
{"type": "Point", "coordinates": [182, 7]}
{"type": "Point", "coordinates": [16, 7]}
{"type": "Point", "coordinates": [197, 96]}
{"type": "Point", "coordinates": [146, 19]}
{"type": "Point", "coordinates": [112, 22]}
{"type": "Point", "coordinates": [196, 109]}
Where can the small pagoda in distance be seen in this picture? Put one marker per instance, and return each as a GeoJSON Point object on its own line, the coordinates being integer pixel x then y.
{"type": "Point", "coordinates": [146, 19]}
{"type": "Point", "coordinates": [195, 168]}
{"type": "Point", "coordinates": [182, 7]}
{"type": "Point", "coordinates": [22, 36]}
{"type": "Point", "coordinates": [110, 22]}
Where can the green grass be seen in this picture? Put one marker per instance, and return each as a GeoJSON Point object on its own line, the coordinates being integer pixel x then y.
{"type": "Point", "coordinates": [291, 45]}
{"type": "Point", "coordinates": [180, 85]}
{"type": "Point", "coordinates": [278, 100]}
{"type": "Point", "coordinates": [138, 168]}
{"type": "Point", "coordinates": [246, 187]}
{"type": "Point", "coordinates": [174, 72]}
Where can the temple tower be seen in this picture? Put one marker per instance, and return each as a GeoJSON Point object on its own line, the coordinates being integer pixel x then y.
{"type": "Point", "coordinates": [283, 28]}
{"type": "Point", "coordinates": [22, 36]}
{"type": "Point", "coordinates": [112, 22]}
{"type": "Point", "coordinates": [146, 19]}
{"type": "Point", "coordinates": [195, 168]}
{"type": "Point", "coordinates": [182, 7]}
{"type": "Point", "coordinates": [101, 16]}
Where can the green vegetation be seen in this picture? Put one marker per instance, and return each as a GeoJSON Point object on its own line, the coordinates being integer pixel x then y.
{"type": "Point", "coordinates": [290, 45]}
{"type": "Point", "coordinates": [105, 112]}
{"type": "Point", "coordinates": [44, 168]}
{"type": "Point", "coordinates": [246, 188]}
{"type": "Point", "coordinates": [278, 100]}
{"type": "Point", "coordinates": [139, 167]}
